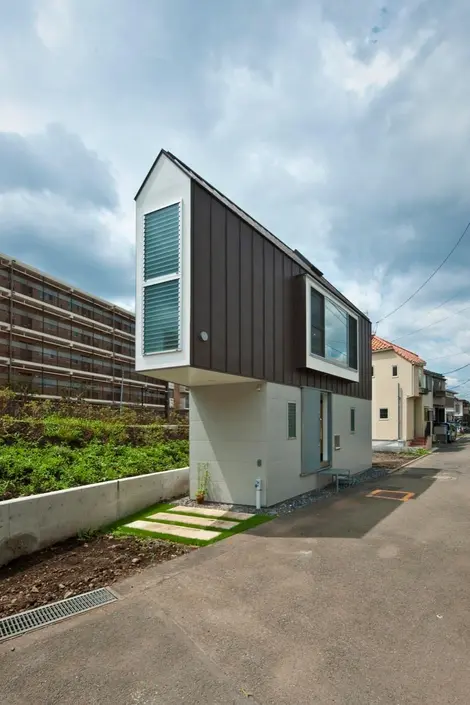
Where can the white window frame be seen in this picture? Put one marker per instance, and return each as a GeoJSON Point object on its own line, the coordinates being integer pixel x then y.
{"type": "Point", "coordinates": [322, 364]}
{"type": "Point", "coordinates": [163, 279]}
{"type": "Point", "coordinates": [289, 437]}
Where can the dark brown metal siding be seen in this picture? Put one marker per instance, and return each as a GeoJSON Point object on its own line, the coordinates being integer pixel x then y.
{"type": "Point", "coordinates": [245, 294]}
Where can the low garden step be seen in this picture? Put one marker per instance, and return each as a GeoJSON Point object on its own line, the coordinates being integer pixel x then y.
{"type": "Point", "coordinates": [185, 532]}
{"type": "Point", "coordinates": [207, 511]}
{"type": "Point", "coordinates": [197, 521]}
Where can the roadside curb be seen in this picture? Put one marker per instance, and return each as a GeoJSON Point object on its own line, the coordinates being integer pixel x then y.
{"type": "Point", "coordinates": [410, 462]}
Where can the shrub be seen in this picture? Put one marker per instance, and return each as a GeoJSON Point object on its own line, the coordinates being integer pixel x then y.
{"type": "Point", "coordinates": [29, 468]}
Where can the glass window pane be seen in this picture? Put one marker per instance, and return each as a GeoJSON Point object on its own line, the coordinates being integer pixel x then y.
{"type": "Point", "coordinates": [317, 323]}
{"type": "Point", "coordinates": [336, 333]}
{"type": "Point", "coordinates": [161, 243]}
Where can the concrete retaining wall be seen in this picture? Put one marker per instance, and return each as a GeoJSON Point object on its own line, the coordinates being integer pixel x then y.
{"type": "Point", "coordinates": [30, 523]}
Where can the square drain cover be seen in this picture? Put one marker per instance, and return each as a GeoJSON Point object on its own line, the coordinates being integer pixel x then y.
{"type": "Point", "coordinates": [397, 495]}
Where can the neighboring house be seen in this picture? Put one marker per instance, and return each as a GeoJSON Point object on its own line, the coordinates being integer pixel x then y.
{"type": "Point", "coordinates": [401, 400]}
{"type": "Point", "coordinates": [451, 402]}
{"type": "Point", "coordinates": [437, 383]}
{"type": "Point", "coordinates": [278, 361]}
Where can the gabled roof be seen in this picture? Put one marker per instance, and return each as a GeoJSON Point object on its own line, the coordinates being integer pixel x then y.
{"type": "Point", "coordinates": [380, 345]}
{"type": "Point", "coordinates": [297, 256]}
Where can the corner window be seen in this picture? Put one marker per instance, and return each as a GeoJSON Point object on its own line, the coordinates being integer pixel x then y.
{"type": "Point", "coordinates": [291, 420]}
{"type": "Point", "coordinates": [383, 413]}
{"type": "Point", "coordinates": [352, 420]}
{"type": "Point", "coordinates": [333, 331]}
{"type": "Point", "coordinates": [394, 371]}
{"type": "Point", "coordinates": [162, 280]}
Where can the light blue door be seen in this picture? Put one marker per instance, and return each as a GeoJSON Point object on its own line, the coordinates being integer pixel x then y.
{"type": "Point", "coordinates": [311, 424]}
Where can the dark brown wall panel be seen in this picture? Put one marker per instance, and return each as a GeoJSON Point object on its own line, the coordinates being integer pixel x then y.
{"type": "Point", "coordinates": [246, 300]}
{"type": "Point", "coordinates": [278, 347]}
{"type": "Point", "coordinates": [258, 306]}
{"type": "Point", "coordinates": [245, 294]}
{"type": "Point", "coordinates": [233, 293]}
{"type": "Point", "coordinates": [218, 335]}
{"type": "Point", "coordinates": [268, 310]}
{"type": "Point", "coordinates": [200, 280]}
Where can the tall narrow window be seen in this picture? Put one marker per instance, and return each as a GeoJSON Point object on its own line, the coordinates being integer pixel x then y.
{"type": "Point", "coordinates": [317, 323]}
{"type": "Point", "coordinates": [162, 280]}
{"type": "Point", "coordinates": [394, 371]}
{"type": "Point", "coordinates": [352, 420]}
{"type": "Point", "coordinates": [352, 342]}
{"type": "Point", "coordinates": [291, 420]}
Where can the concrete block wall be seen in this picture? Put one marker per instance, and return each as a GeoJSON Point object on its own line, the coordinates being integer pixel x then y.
{"type": "Point", "coordinates": [28, 524]}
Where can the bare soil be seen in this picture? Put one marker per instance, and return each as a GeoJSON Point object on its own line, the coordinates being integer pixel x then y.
{"type": "Point", "coordinates": [390, 460]}
{"type": "Point", "coordinates": [76, 566]}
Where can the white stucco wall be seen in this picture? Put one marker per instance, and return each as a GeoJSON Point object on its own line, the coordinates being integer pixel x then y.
{"type": "Point", "coordinates": [227, 430]}
{"type": "Point", "coordinates": [232, 426]}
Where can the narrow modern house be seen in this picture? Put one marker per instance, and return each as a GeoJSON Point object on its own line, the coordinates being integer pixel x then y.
{"type": "Point", "coordinates": [278, 361]}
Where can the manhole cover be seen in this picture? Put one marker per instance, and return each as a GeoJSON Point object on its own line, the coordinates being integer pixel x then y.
{"type": "Point", "coordinates": [397, 495]}
{"type": "Point", "coordinates": [23, 622]}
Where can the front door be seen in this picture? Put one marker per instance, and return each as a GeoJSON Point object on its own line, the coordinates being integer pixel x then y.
{"type": "Point", "coordinates": [311, 430]}
{"type": "Point", "coordinates": [325, 452]}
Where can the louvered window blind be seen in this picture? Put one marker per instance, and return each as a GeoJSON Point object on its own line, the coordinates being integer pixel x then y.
{"type": "Point", "coordinates": [162, 280]}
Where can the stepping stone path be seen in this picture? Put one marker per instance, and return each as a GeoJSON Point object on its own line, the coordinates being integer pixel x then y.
{"type": "Point", "coordinates": [182, 531]}
{"type": "Point", "coordinates": [210, 519]}
{"type": "Point", "coordinates": [197, 521]}
{"type": "Point", "coordinates": [207, 511]}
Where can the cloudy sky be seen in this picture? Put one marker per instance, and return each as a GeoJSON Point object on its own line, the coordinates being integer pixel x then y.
{"type": "Point", "coordinates": [344, 127]}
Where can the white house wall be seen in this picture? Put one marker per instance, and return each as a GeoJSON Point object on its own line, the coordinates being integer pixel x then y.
{"type": "Point", "coordinates": [232, 427]}
{"type": "Point", "coordinates": [166, 184]}
{"type": "Point", "coordinates": [355, 450]}
{"type": "Point", "coordinates": [227, 430]}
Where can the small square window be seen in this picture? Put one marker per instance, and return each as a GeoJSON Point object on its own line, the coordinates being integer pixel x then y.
{"type": "Point", "coordinates": [394, 371]}
{"type": "Point", "coordinates": [383, 413]}
{"type": "Point", "coordinates": [353, 420]}
{"type": "Point", "coordinates": [291, 420]}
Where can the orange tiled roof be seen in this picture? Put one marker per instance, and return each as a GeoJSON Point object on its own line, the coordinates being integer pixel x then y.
{"type": "Point", "coordinates": [379, 344]}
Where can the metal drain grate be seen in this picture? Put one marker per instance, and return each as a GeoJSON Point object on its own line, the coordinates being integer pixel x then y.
{"type": "Point", "coordinates": [41, 616]}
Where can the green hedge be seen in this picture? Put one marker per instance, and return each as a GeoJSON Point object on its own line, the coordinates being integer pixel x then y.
{"type": "Point", "coordinates": [78, 432]}
{"type": "Point", "coordinates": [31, 468]}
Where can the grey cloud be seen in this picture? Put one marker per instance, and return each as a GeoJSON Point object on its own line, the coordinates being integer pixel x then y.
{"type": "Point", "coordinates": [56, 161]}
{"type": "Point", "coordinates": [75, 247]}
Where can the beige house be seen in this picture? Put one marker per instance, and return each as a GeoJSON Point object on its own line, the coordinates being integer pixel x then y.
{"type": "Point", "coordinates": [402, 397]}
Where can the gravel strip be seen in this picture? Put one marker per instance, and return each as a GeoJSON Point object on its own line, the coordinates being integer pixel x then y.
{"type": "Point", "coordinates": [290, 505]}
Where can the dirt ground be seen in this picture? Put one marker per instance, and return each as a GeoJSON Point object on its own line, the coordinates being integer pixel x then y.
{"type": "Point", "coordinates": [390, 460]}
{"type": "Point", "coordinates": [76, 566]}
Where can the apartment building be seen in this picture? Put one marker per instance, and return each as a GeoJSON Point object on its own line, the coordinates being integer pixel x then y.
{"type": "Point", "coordinates": [56, 341]}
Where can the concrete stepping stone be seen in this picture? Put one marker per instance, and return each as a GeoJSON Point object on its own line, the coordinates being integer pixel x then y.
{"type": "Point", "coordinates": [197, 521]}
{"type": "Point", "coordinates": [207, 511]}
{"type": "Point", "coordinates": [183, 531]}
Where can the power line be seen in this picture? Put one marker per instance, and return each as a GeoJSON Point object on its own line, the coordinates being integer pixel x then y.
{"type": "Point", "coordinates": [428, 279]}
{"type": "Point", "coordinates": [441, 320]}
{"type": "Point", "coordinates": [456, 370]}
{"type": "Point", "coordinates": [441, 357]}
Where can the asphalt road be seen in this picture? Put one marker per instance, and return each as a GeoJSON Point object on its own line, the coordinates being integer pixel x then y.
{"type": "Point", "coordinates": [354, 600]}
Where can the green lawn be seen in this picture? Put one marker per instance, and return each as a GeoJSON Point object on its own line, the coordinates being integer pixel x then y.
{"type": "Point", "coordinates": [120, 528]}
